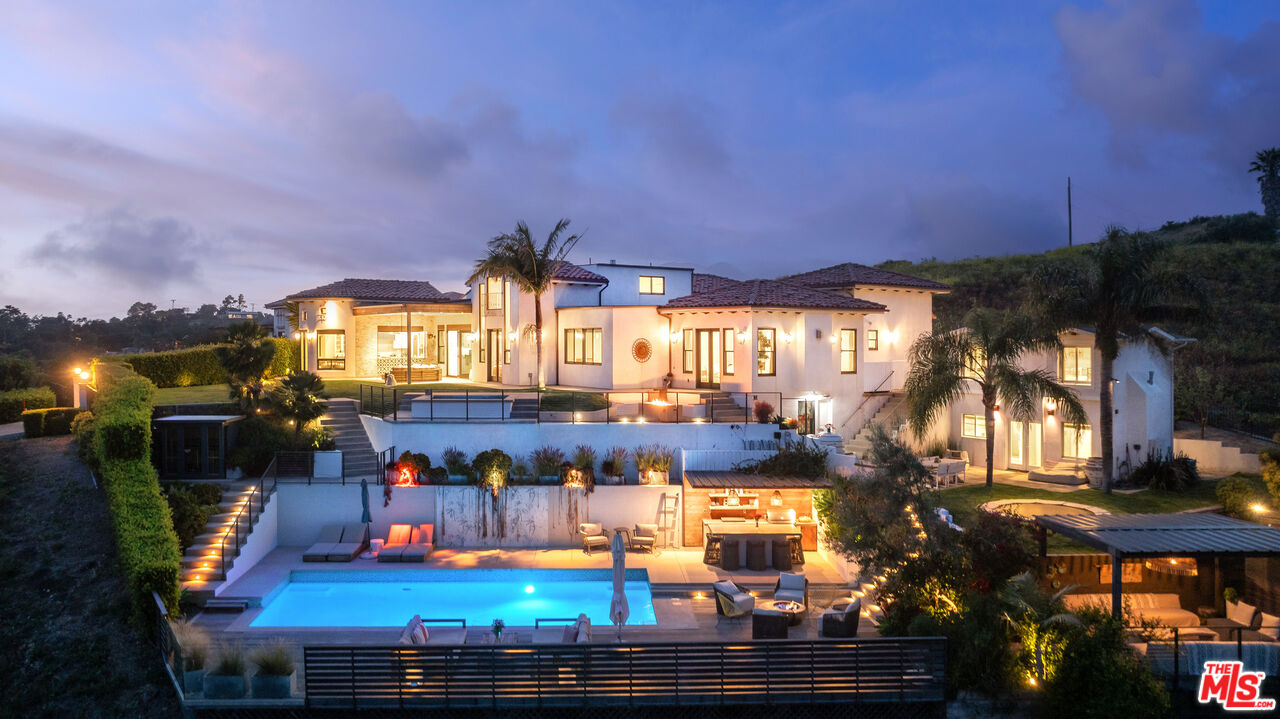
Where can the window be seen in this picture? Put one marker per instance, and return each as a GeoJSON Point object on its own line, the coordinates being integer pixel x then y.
{"type": "Point", "coordinates": [973, 426]}
{"type": "Point", "coordinates": [493, 293]}
{"type": "Point", "coordinates": [393, 342]}
{"type": "Point", "coordinates": [583, 346]}
{"type": "Point", "coordinates": [766, 342]}
{"type": "Point", "coordinates": [848, 351]}
{"type": "Point", "coordinates": [1075, 365]}
{"type": "Point", "coordinates": [873, 339]}
{"type": "Point", "coordinates": [727, 343]}
{"type": "Point", "coordinates": [1077, 441]}
{"type": "Point", "coordinates": [686, 347]}
{"type": "Point", "coordinates": [974, 364]}
{"type": "Point", "coordinates": [331, 349]}
{"type": "Point", "coordinates": [653, 285]}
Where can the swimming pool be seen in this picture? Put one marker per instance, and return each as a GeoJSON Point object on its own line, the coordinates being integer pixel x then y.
{"type": "Point", "coordinates": [319, 598]}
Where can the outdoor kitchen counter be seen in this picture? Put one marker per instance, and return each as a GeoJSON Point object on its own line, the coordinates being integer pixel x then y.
{"type": "Point", "coordinates": [747, 530]}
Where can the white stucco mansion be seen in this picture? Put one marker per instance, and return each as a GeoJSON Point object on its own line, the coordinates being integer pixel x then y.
{"type": "Point", "coordinates": [830, 344]}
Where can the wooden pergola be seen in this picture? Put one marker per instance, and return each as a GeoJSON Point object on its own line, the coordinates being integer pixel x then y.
{"type": "Point", "coordinates": [1153, 536]}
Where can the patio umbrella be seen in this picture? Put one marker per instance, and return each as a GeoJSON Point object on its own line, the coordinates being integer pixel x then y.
{"type": "Point", "coordinates": [618, 609]}
{"type": "Point", "coordinates": [364, 502]}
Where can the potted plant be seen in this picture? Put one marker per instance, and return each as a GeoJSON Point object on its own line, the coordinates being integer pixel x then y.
{"type": "Point", "coordinates": [455, 461]}
{"type": "Point", "coordinates": [492, 467]}
{"type": "Point", "coordinates": [653, 464]}
{"type": "Point", "coordinates": [418, 464]}
{"type": "Point", "coordinates": [584, 464]}
{"type": "Point", "coordinates": [225, 678]}
{"type": "Point", "coordinates": [274, 677]}
{"type": "Point", "coordinates": [763, 411]}
{"type": "Point", "coordinates": [194, 646]}
{"type": "Point", "coordinates": [519, 469]}
{"type": "Point", "coordinates": [546, 463]}
{"type": "Point", "coordinates": [614, 465]}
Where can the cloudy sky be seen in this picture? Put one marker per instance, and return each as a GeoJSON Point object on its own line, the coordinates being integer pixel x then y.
{"type": "Point", "coordinates": [183, 151]}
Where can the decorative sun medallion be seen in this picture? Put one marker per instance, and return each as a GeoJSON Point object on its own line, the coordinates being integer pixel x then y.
{"type": "Point", "coordinates": [641, 350]}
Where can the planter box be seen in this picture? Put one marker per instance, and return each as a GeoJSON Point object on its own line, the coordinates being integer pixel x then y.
{"type": "Point", "coordinates": [654, 478]}
{"type": "Point", "coordinates": [618, 479]}
{"type": "Point", "coordinates": [458, 479]}
{"type": "Point", "coordinates": [549, 479]}
{"type": "Point", "coordinates": [193, 681]}
{"type": "Point", "coordinates": [328, 464]}
{"type": "Point", "coordinates": [220, 687]}
{"type": "Point", "coordinates": [267, 687]}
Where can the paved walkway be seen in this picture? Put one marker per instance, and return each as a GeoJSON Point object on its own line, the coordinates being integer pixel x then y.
{"type": "Point", "coordinates": [12, 429]}
{"type": "Point", "coordinates": [978, 475]}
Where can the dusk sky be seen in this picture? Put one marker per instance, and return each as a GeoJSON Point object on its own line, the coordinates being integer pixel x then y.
{"type": "Point", "coordinates": [186, 150]}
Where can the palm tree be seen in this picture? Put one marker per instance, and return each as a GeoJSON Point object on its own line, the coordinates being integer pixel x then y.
{"type": "Point", "coordinates": [1123, 284]}
{"type": "Point", "coordinates": [246, 356]}
{"type": "Point", "coordinates": [516, 257]}
{"type": "Point", "coordinates": [1267, 164]}
{"type": "Point", "coordinates": [984, 353]}
{"type": "Point", "coordinates": [295, 398]}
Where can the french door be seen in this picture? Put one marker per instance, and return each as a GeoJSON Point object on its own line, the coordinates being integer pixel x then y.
{"type": "Point", "coordinates": [494, 350]}
{"type": "Point", "coordinates": [709, 354]}
{"type": "Point", "coordinates": [1026, 445]}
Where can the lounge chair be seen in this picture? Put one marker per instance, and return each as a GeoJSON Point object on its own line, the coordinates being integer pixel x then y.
{"type": "Point", "coordinates": [329, 537]}
{"type": "Point", "coordinates": [793, 587]}
{"type": "Point", "coordinates": [562, 630]}
{"type": "Point", "coordinates": [420, 548]}
{"type": "Point", "coordinates": [593, 536]}
{"type": "Point", "coordinates": [841, 620]}
{"type": "Point", "coordinates": [733, 600]}
{"type": "Point", "coordinates": [645, 537]}
{"type": "Point", "coordinates": [397, 539]}
{"type": "Point", "coordinates": [355, 539]}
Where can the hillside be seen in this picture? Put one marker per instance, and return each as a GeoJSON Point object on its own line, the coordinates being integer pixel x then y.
{"type": "Point", "coordinates": [1238, 334]}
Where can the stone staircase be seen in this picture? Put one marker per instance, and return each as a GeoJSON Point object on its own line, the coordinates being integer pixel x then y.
{"type": "Point", "coordinates": [892, 410]}
{"type": "Point", "coordinates": [358, 456]}
{"type": "Point", "coordinates": [202, 565]}
{"type": "Point", "coordinates": [722, 407]}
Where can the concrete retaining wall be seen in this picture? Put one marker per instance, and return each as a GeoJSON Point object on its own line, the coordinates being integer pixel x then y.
{"type": "Point", "coordinates": [1213, 457]}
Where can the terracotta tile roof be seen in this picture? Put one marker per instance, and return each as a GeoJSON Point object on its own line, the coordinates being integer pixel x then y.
{"type": "Point", "coordinates": [851, 274]}
{"type": "Point", "coordinates": [704, 282]}
{"type": "Point", "coordinates": [772, 293]}
{"type": "Point", "coordinates": [570, 272]}
{"type": "Point", "coordinates": [453, 295]}
{"type": "Point", "coordinates": [376, 290]}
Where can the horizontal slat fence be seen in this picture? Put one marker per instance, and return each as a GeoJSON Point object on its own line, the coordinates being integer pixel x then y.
{"type": "Point", "coordinates": [603, 675]}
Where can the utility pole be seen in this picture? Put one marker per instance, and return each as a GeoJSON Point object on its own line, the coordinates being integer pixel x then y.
{"type": "Point", "coordinates": [1069, 228]}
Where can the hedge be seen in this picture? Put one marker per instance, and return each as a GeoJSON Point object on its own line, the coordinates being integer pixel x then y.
{"type": "Point", "coordinates": [148, 546]}
{"type": "Point", "coordinates": [49, 422]}
{"type": "Point", "coordinates": [196, 366]}
{"type": "Point", "coordinates": [13, 402]}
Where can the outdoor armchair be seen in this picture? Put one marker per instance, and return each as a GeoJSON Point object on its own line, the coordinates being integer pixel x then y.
{"type": "Point", "coordinates": [593, 536]}
{"type": "Point", "coordinates": [733, 600]}
{"type": "Point", "coordinates": [645, 537]}
{"type": "Point", "coordinates": [793, 587]}
{"type": "Point", "coordinates": [841, 620]}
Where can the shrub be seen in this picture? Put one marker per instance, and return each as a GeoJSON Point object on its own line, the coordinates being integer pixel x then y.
{"type": "Point", "coordinates": [273, 659]}
{"type": "Point", "coordinates": [455, 460]}
{"type": "Point", "coordinates": [260, 437]}
{"type": "Point", "coordinates": [799, 459]}
{"type": "Point", "coordinates": [417, 462]}
{"type": "Point", "coordinates": [194, 643]}
{"type": "Point", "coordinates": [16, 373]}
{"type": "Point", "coordinates": [191, 506]}
{"type": "Point", "coordinates": [230, 661]}
{"type": "Point", "coordinates": [763, 411]}
{"type": "Point", "coordinates": [438, 475]}
{"type": "Point", "coordinates": [519, 468]}
{"type": "Point", "coordinates": [546, 461]}
{"type": "Point", "coordinates": [1166, 472]}
{"type": "Point", "coordinates": [147, 545]}
{"type": "Point", "coordinates": [199, 365]}
{"type": "Point", "coordinates": [50, 422]}
{"type": "Point", "coordinates": [1100, 677]}
{"type": "Point", "coordinates": [14, 402]}
{"type": "Point", "coordinates": [1238, 494]}
{"type": "Point", "coordinates": [584, 458]}
{"type": "Point", "coordinates": [614, 462]}
{"type": "Point", "coordinates": [492, 467]}
{"type": "Point", "coordinates": [1271, 473]}
{"type": "Point", "coordinates": [83, 427]}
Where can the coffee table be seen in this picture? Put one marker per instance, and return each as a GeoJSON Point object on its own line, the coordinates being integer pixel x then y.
{"type": "Point", "coordinates": [794, 611]}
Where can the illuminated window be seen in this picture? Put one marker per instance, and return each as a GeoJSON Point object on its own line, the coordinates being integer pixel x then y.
{"type": "Point", "coordinates": [766, 344]}
{"type": "Point", "coordinates": [653, 285]}
{"type": "Point", "coordinates": [1077, 441]}
{"type": "Point", "coordinates": [493, 293]}
{"type": "Point", "coordinates": [583, 346]}
{"type": "Point", "coordinates": [728, 351]}
{"type": "Point", "coordinates": [686, 350]}
{"type": "Point", "coordinates": [973, 426]}
{"type": "Point", "coordinates": [873, 339]}
{"type": "Point", "coordinates": [331, 349]}
{"type": "Point", "coordinates": [1075, 365]}
{"type": "Point", "coordinates": [848, 351]}
{"type": "Point", "coordinates": [975, 364]}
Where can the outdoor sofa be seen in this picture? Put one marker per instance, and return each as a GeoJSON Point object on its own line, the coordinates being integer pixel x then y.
{"type": "Point", "coordinates": [406, 543]}
{"type": "Point", "coordinates": [1245, 620]}
{"type": "Point", "coordinates": [1162, 609]}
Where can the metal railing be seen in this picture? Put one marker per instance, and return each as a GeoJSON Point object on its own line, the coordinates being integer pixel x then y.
{"type": "Point", "coordinates": [775, 672]}
{"type": "Point", "coordinates": [244, 517]}
{"type": "Point", "coordinates": [1178, 642]}
{"type": "Point", "coordinates": [866, 397]}
{"type": "Point", "coordinates": [565, 406]}
{"type": "Point", "coordinates": [170, 649]}
{"type": "Point", "coordinates": [300, 464]}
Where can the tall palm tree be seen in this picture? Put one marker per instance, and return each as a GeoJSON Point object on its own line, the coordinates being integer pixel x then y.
{"type": "Point", "coordinates": [246, 356]}
{"type": "Point", "coordinates": [516, 257]}
{"type": "Point", "coordinates": [295, 398]}
{"type": "Point", "coordinates": [983, 353]}
{"type": "Point", "coordinates": [1267, 164]}
{"type": "Point", "coordinates": [1123, 284]}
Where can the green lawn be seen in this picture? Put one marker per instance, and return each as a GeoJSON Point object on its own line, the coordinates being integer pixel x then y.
{"type": "Point", "coordinates": [963, 502]}
{"type": "Point", "coordinates": [553, 400]}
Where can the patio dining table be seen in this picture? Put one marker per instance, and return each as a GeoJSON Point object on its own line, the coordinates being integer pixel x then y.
{"type": "Point", "coordinates": [749, 529]}
{"type": "Point", "coordinates": [944, 471]}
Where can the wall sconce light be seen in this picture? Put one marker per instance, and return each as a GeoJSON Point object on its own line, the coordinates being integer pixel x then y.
{"type": "Point", "coordinates": [786, 337]}
{"type": "Point", "coordinates": [675, 336]}
{"type": "Point", "coordinates": [1050, 406]}
{"type": "Point", "coordinates": [742, 337]}
{"type": "Point", "coordinates": [511, 336]}
{"type": "Point", "coordinates": [891, 336]}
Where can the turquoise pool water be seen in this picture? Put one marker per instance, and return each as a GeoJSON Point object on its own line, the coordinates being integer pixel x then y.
{"type": "Point", "coordinates": [319, 598]}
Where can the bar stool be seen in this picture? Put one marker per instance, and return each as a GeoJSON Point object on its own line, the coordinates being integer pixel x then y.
{"type": "Point", "coordinates": [782, 555]}
{"type": "Point", "coordinates": [755, 555]}
{"type": "Point", "coordinates": [729, 555]}
{"type": "Point", "coordinates": [797, 550]}
{"type": "Point", "coordinates": [711, 552]}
